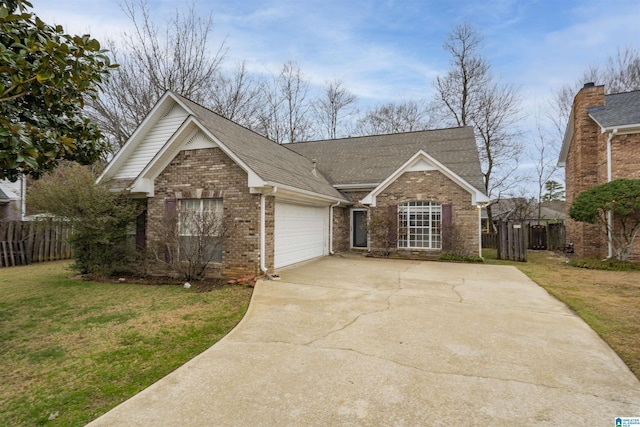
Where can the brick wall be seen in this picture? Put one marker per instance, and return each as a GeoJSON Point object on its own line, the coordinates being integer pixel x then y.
{"type": "Point", "coordinates": [625, 160]}
{"type": "Point", "coordinates": [341, 229]}
{"type": "Point", "coordinates": [270, 224]}
{"type": "Point", "coordinates": [435, 187]}
{"type": "Point", "coordinates": [210, 173]}
{"type": "Point", "coordinates": [586, 167]}
{"type": "Point", "coordinates": [625, 155]}
{"type": "Point", "coordinates": [584, 170]}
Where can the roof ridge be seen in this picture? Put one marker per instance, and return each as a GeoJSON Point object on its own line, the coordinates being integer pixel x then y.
{"type": "Point", "coordinates": [223, 117]}
{"type": "Point", "coordinates": [622, 93]}
{"type": "Point", "coordinates": [378, 135]}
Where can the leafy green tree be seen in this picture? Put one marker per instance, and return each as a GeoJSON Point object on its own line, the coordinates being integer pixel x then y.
{"type": "Point", "coordinates": [554, 191]}
{"type": "Point", "coordinates": [45, 77]}
{"type": "Point", "coordinates": [100, 218]}
{"type": "Point", "coordinates": [621, 197]}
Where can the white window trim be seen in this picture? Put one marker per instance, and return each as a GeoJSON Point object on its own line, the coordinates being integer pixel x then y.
{"type": "Point", "coordinates": [218, 205]}
{"type": "Point", "coordinates": [428, 238]}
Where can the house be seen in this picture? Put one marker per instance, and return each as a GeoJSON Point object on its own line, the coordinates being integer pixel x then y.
{"type": "Point", "coordinates": [520, 209]}
{"type": "Point", "coordinates": [12, 199]}
{"type": "Point", "coordinates": [601, 143]}
{"type": "Point", "coordinates": [294, 202]}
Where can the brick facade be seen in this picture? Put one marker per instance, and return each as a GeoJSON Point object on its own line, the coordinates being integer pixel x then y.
{"type": "Point", "coordinates": [586, 167]}
{"type": "Point", "coordinates": [341, 229]}
{"type": "Point", "coordinates": [269, 234]}
{"type": "Point", "coordinates": [430, 186]}
{"type": "Point", "coordinates": [209, 173]}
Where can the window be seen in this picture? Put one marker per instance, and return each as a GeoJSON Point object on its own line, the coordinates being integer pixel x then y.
{"type": "Point", "coordinates": [420, 225]}
{"type": "Point", "coordinates": [200, 230]}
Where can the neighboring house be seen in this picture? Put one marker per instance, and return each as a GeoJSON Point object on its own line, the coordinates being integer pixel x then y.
{"type": "Point", "coordinates": [12, 199]}
{"type": "Point", "coordinates": [526, 211]}
{"type": "Point", "coordinates": [601, 143]}
{"type": "Point", "coordinates": [294, 202]}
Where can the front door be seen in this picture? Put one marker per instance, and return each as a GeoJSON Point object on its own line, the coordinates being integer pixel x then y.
{"type": "Point", "coordinates": [359, 229]}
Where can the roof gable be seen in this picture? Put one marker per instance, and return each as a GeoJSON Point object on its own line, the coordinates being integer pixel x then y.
{"type": "Point", "coordinates": [422, 161]}
{"type": "Point", "coordinates": [148, 138]}
{"type": "Point", "coordinates": [176, 123]}
{"type": "Point", "coordinates": [271, 161]}
{"type": "Point", "coordinates": [370, 160]}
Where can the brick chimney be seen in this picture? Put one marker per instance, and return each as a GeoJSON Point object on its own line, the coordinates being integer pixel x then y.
{"type": "Point", "coordinates": [582, 166]}
{"type": "Point", "coordinates": [585, 135]}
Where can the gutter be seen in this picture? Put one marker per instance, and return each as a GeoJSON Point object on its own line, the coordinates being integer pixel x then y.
{"type": "Point", "coordinates": [310, 195]}
{"type": "Point", "coordinates": [263, 245]}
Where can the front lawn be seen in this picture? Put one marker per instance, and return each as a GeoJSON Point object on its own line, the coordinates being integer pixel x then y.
{"type": "Point", "coordinates": [609, 301]}
{"type": "Point", "coordinates": [71, 350]}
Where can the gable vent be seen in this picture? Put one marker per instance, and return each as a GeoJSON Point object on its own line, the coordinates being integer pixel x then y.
{"type": "Point", "coordinates": [171, 110]}
{"type": "Point", "coordinates": [196, 136]}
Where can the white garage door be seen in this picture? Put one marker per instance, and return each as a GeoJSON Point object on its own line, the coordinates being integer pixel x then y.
{"type": "Point", "coordinates": [301, 233]}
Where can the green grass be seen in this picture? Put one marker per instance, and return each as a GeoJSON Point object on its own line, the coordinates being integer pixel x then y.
{"type": "Point", "coordinates": [79, 348]}
{"type": "Point", "coordinates": [607, 300]}
{"type": "Point", "coordinates": [604, 264]}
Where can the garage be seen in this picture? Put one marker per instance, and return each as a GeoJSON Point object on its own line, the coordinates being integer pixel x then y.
{"type": "Point", "coordinates": [301, 233]}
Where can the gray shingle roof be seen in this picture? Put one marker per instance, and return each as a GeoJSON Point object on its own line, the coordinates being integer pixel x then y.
{"type": "Point", "coordinates": [619, 109]}
{"type": "Point", "coordinates": [270, 160]}
{"type": "Point", "coordinates": [371, 159]}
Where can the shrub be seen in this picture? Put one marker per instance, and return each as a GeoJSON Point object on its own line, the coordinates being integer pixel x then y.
{"type": "Point", "coordinates": [99, 218]}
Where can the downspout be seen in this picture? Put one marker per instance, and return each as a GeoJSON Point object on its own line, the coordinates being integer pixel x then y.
{"type": "Point", "coordinates": [331, 227]}
{"type": "Point", "coordinates": [609, 179]}
{"type": "Point", "coordinates": [262, 228]}
{"type": "Point", "coordinates": [480, 230]}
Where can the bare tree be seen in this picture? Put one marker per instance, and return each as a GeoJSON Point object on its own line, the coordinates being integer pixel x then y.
{"type": "Point", "coordinates": [334, 105]}
{"type": "Point", "coordinates": [284, 116]}
{"type": "Point", "coordinates": [294, 90]}
{"type": "Point", "coordinates": [190, 239]}
{"type": "Point", "coordinates": [468, 95]}
{"type": "Point", "coordinates": [457, 92]}
{"type": "Point", "coordinates": [153, 60]}
{"type": "Point", "coordinates": [238, 96]}
{"type": "Point", "coordinates": [619, 73]}
{"type": "Point", "coordinates": [406, 116]}
{"type": "Point", "coordinates": [545, 159]}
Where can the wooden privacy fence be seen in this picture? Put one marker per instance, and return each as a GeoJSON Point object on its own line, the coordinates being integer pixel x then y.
{"type": "Point", "coordinates": [490, 240]}
{"type": "Point", "coordinates": [512, 241]}
{"type": "Point", "coordinates": [25, 242]}
{"type": "Point", "coordinates": [546, 237]}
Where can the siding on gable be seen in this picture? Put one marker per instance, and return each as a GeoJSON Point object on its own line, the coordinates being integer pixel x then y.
{"type": "Point", "coordinates": [152, 143]}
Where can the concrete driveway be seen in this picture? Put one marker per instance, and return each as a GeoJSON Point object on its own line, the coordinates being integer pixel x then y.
{"type": "Point", "coordinates": [347, 340]}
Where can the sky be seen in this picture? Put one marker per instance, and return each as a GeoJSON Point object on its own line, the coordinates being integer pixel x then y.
{"type": "Point", "coordinates": [391, 50]}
